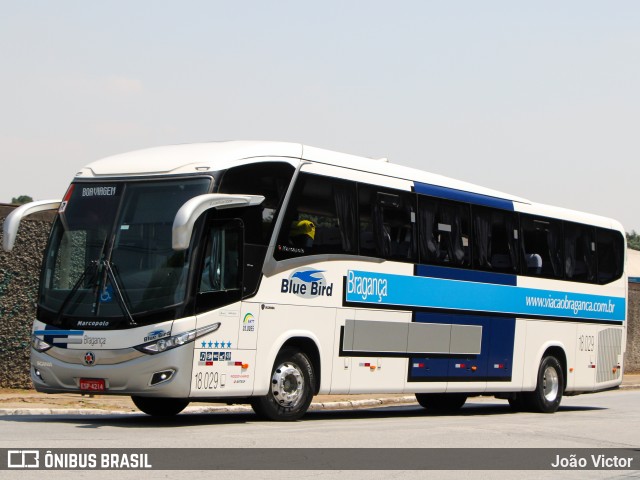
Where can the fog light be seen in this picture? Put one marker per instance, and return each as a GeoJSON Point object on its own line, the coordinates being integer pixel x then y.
{"type": "Point", "coordinates": [38, 374]}
{"type": "Point", "coordinates": [161, 377]}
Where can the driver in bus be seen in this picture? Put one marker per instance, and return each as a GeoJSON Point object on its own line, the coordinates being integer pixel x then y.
{"type": "Point", "coordinates": [302, 233]}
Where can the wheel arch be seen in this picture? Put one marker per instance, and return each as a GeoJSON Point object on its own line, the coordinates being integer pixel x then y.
{"type": "Point", "coordinates": [556, 350]}
{"type": "Point", "coordinates": [309, 347]}
{"type": "Point", "coordinates": [304, 341]}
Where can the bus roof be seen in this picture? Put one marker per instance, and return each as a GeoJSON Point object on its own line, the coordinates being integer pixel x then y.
{"type": "Point", "coordinates": [212, 156]}
{"type": "Point", "coordinates": [188, 157]}
{"type": "Point", "coordinates": [173, 159]}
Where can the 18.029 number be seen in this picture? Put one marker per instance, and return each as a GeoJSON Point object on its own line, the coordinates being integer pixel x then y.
{"type": "Point", "coordinates": [586, 343]}
{"type": "Point", "coordinates": [206, 381]}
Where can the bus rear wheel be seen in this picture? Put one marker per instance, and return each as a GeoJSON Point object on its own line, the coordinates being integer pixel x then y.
{"type": "Point", "coordinates": [441, 402]}
{"type": "Point", "coordinates": [548, 393]}
{"type": "Point", "coordinates": [291, 389]}
{"type": "Point", "coordinates": [160, 407]}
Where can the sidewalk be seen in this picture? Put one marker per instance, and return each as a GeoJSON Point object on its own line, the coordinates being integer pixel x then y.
{"type": "Point", "coordinates": [29, 402]}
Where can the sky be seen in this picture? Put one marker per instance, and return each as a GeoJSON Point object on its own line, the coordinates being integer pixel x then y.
{"type": "Point", "coordinates": [537, 99]}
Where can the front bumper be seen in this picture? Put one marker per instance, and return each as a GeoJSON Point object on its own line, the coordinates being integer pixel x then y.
{"type": "Point", "coordinates": [125, 372]}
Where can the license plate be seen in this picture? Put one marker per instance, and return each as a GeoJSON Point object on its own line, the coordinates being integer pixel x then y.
{"type": "Point", "coordinates": [93, 384]}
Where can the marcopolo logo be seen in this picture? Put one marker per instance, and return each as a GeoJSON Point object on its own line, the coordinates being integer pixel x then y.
{"type": "Point", "coordinates": [307, 283]}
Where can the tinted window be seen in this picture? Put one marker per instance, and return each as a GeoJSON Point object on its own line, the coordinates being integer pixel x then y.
{"type": "Point", "coordinates": [495, 240]}
{"type": "Point", "coordinates": [387, 223]}
{"type": "Point", "coordinates": [610, 255]}
{"type": "Point", "coordinates": [542, 246]}
{"type": "Point", "coordinates": [130, 226]}
{"type": "Point", "coordinates": [320, 218]}
{"type": "Point", "coordinates": [269, 179]}
{"type": "Point", "coordinates": [444, 232]}
{"type": "Point", "coordinates": [579, 252]}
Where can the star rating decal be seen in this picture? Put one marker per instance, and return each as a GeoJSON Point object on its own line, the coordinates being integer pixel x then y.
{"type": "Point", "coordinates": [216, 344]}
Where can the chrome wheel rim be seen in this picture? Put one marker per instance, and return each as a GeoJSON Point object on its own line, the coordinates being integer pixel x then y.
{"type": "Point", "coordinates": [287, 385]}
{"type": "Point", "coordinates": [551, 384]}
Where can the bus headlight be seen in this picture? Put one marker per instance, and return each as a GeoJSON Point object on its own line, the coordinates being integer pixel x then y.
{"type": "Point", "coordinates": [39, 345]}
{"type": "Point", "coordinates": [164, 344]}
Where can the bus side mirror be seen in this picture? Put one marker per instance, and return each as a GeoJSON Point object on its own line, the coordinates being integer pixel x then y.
{"type": "Point", "coordinates": [12, 222]}
{"type": "Point", "coordinates": [192, 209]}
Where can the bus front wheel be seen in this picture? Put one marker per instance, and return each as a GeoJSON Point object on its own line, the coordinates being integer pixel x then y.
{"type": "Point", "coordinates": [548, 393]}
{"type": "Point", "coordinates": [160, 407]}
{"type": "Point", "coordinates": [291, 389]}
{"type": "Point", "coordinates": [442, 402]}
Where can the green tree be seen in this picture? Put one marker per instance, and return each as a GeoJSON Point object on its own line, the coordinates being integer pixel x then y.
{"type": "Point", "coordinates": [633, 240]}
{"type": "Point", "coordinates": [21, 200]}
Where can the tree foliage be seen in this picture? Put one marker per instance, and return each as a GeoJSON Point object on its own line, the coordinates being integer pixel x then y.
{"type": "Point", "coordinates": [21, 200]}
{"type": "Point", "coordinates": [633, 240]}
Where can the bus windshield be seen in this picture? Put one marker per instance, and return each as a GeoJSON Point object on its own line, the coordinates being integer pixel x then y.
{"type": "Point", "coordinates": [110, 250]}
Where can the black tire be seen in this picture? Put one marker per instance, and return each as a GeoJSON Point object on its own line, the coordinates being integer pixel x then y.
{"type": "Point", "coordinates": [291, 390]}
{"type": "Point", "coordinates": [441, 402]}
{"type": "Point", "coordinates": [550, 386]}
{"type": "Point", "coordinates": [160, 407]}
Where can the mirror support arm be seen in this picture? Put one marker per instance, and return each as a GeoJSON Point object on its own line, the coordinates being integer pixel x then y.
{"type": "Point", "coordinates": [12, 222]}
{"type": "Point", "coordinates": [192, 209]}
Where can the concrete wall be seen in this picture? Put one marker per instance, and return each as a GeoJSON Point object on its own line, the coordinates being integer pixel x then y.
{"type": "Point", "coordinates": [19, 272]}
{"type": "Point", "coordinates": [632, 356]}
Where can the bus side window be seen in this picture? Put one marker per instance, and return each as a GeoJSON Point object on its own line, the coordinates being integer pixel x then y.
{"type": "Point", "coordinates": [269, 179]}
{"type": "Point", "coordinates": [542, 246]}
{"type": "Point", "coordinates": [444, 232]}
{"type": "Point", "coordinates": [579, 252]}
{"type": "Point", "coordinates": [221, 265]}
{"type": "Point", "coordinates": [387, 223]}
{"type": "Point", "coordinates": [495, 240]}
{"type": "Point", "coordinates": [610, 255]}
{"type": "Point", "coordinates": [320, 218]}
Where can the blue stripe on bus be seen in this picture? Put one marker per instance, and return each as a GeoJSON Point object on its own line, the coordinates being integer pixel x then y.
{"type": "Point", "coordinates": [466, 275]}
{"type": "Point", "coordinates": [462, 196]}
{"type": "Point", "coordinates": [384, 290]}
{"type": "Point", "coordinates": [59, 332]}
{"type": "Point", "coordinates": [494, 363]}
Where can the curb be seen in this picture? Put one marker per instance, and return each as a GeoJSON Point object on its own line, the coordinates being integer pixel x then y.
{"type": "Point", "coordinates": [209, 409]}
{"type": "Point", "coordinates": [316, 406]}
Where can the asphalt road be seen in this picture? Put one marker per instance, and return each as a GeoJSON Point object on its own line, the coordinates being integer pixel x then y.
{"type": "Point", "coordinates": [602, 420]}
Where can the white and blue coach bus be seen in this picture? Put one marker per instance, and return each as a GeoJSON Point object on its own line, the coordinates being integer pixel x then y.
{"type": "Point", "coordinates": [268, 272]}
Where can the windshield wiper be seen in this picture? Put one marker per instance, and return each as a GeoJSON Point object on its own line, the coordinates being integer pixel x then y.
{"type": "Point", "coordinates": [92, 269]}
{"type": "Point", "coordinates": [93, 265]}
{"type": "Point", "coordinates": [111, 274]}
